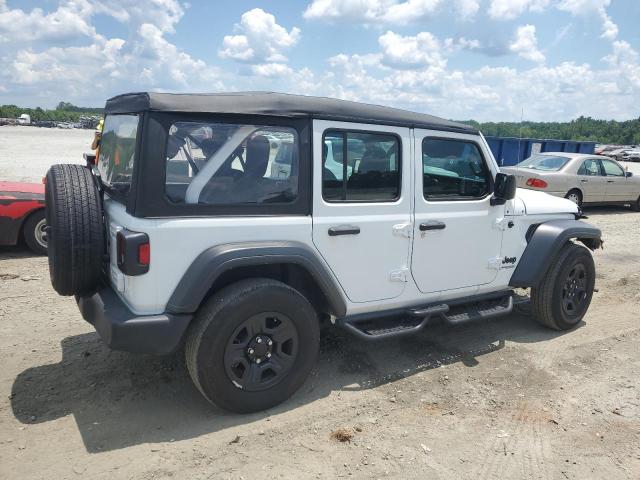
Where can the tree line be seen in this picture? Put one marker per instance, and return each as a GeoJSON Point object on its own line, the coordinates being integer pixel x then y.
{"type": "Point", "coordinates": [64, 112]}
{"type": "Point", "coordinates": [582, 128]}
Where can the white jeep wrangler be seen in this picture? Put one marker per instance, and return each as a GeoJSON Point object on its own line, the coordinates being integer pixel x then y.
{"type": "Point", "coordinates": [235, 223]}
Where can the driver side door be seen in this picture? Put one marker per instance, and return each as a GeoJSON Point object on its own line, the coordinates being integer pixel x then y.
{"type": "Point", "coordinates": [456, 240]}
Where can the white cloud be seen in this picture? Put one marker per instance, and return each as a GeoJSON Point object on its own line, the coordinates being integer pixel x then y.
{"type": "Point", "coordinates": [394, 12]}
{"type": "Point", "coordinates": [420, 50]}
{"type": "Point", "coordinates": [589, 7]}
{"type": "Point", "coordinates": [526, 44]}
{"type": "Point", "coordinates": [63, 24]}
{"type": "Point", "coordinates": [510, 9]}
{"type": "Point", "coordinates": [260, 39]}
{"type": "Point", "coordinates": [271, 70]}
{"type": "Point", "coordinates": [467, 9]}
{"type": "Point", "coordinates": [59, 55]}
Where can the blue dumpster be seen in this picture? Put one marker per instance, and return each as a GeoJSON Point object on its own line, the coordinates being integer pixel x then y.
{"type": "Point", "coordinates": [511, 150]}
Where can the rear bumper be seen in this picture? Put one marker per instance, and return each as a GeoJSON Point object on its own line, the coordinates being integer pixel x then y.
{"type": "Point", "coordinates": [123, 330]}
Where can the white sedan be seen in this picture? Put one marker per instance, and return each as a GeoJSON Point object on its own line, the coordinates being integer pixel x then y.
{"type": "Point", "coordinates": [582, 178]}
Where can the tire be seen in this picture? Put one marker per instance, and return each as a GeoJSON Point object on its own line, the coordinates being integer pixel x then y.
{"type": "Point", "coordinates": [563, 297]}
{"type": "Point", "coordinates": [635, 206]}
{"type": "Point", "coordinates": [575, 196]}
{"type": "Point", "coordinates": [34, 232]}
{"type": "Point", "coordinates": [220, 345]}
{"type": "Point", "coordinates": [75, 229]}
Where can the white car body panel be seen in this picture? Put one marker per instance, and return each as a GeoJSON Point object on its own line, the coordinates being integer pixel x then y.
{"type": "Point", "coordinates": [391, 264]}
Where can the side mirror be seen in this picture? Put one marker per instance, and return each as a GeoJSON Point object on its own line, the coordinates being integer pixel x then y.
{"type": "Point", "coordinates": [628, 174]}
{"type": "Point", "coordinates": [504, 189]}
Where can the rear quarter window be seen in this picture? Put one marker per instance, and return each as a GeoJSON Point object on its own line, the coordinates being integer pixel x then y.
{"type": "Point", "coordinates": [117, 152]}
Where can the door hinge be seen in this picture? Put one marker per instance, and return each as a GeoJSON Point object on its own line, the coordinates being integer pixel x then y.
{"type": "Point", "coordinates": [402, 230]}
{"type": "Point", "coordinates": [500, 224]}
{"type": "Point", "coordinates": [398, 275]}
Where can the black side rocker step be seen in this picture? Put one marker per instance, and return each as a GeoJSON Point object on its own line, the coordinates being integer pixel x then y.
{"type": "Point", "coordinates": [378, 327]}
{"type": "Point", "coordinates": [478, 310]}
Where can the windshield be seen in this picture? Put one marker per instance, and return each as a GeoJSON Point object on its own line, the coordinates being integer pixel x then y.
{"type": "Point", "coordinates": [117, 152]}
{"type": "Point", "coordinates": [547, 163]}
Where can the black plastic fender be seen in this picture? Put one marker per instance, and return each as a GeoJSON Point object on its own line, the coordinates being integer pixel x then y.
{"type": "Point", "coordinates": [214, 261]}
{"type": "Point", "coordinates": [545, 243]}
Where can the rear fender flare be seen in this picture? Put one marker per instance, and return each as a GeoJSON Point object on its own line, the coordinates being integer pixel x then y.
{"type": "Point", "coordinates": [213, 262]}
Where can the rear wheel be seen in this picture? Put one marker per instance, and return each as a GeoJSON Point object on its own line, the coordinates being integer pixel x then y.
{"type": "Point", "coordinates": [635, 206]}
{"type": "Point", "coordinates": [252, 345]}
{"type": "Point", "coordinates": [564, 295]}
{"type": "Point", "coordinates": [575, 196]}
{"type": "Point", "coordinates": [35, 234]}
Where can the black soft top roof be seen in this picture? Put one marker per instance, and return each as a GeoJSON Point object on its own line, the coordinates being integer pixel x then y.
{"type": "Point", "coordinates": [281, 105]}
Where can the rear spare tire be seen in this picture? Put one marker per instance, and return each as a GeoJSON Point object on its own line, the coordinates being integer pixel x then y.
{"type": "Point", "coordinates": [75, 229]}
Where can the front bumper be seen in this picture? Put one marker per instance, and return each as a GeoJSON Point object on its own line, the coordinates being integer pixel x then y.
{"type": "Point", "coordinates": [122, 329]}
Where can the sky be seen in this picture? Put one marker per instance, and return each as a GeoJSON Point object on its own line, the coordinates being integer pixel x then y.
{"type": "Point", "coordinates": [488, 60]}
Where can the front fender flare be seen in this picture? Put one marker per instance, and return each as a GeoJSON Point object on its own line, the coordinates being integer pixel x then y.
{"type": "Point", "coordinates": [544, 245]}
{"type": "Point", "coordinates": [213, 262]}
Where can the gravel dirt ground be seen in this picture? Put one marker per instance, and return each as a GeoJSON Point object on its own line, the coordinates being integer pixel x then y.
{"type": "Point", "coordinates": [27, 152]}
{"type": "Point", "coordinates": [502, 399]}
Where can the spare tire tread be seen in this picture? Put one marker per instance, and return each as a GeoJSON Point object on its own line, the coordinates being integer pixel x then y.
{"type": "Point", "coordinates": [76, 238]}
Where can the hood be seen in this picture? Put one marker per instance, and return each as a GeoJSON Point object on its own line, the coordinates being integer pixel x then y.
{"type": "Point", "coordinates": [536, 203]}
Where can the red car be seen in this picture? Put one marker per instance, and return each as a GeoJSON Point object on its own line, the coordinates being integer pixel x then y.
{"type": "Point", "coordinates": [22, 215]}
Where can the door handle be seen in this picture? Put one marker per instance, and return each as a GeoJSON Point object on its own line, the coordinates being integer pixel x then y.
{"type": "Point", "coordinates": [584, 181]}
{"type": "Point", "coordinates": [432, 225]}
{"type": "Point", "coordinates": [344, 230]}
{"type": "Point", "coordinates": [609, 181]}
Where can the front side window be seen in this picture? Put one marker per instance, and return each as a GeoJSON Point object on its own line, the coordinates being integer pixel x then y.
{"type": "Point", "coordinates": [360, 167]}
{"type": "Point", "coordinates": [231, 164]}
{"type": "Point", "coordinates": [612, 169]}
{"type": "Point", "coordinates": [453, 170]}
{"type": "Point", "coordinates": [117, 152]}
{"type": "Point", "coordinates": [589, 168]}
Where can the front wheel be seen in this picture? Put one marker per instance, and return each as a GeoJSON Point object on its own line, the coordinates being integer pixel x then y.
{"type": "Point", "coordinates": [564, 295]}
{"type": "Point", "coordinates": [252, 345]}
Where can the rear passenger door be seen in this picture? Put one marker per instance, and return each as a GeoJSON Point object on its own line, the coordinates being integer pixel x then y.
{"type": "Point", "coordinates": [362, 206]}
{"type": "Point", "coordinates": [457, 234]}
{"type": "Point", "coordinates": [592, 180]}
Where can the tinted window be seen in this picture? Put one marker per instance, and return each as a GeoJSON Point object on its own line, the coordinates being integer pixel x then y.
{"type": "Point", "coordinates": [225, 164]}
{"type": "Point", "coordinates": [612, 169]}
{"type": "Point", "coordinates": [453, 169]}
{"type": "Point", "coordinates": [589, 167]}
{"type": "Point", "coordinates": [360, 167]}
{"type": "Point", "coordinates": [117, 152]}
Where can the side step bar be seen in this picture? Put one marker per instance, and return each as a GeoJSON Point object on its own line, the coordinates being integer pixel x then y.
{"type": "Point", "coordinates": [413, 320]}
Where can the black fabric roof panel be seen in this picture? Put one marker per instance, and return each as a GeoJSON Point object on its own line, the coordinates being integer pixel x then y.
{"type": "Point", "coordinates": [281, 105]}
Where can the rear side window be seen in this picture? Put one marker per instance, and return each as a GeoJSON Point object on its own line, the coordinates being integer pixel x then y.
{"type": "Point", "coordinates": [360, 167]}
{"type": "Point", "coordinates": [231, 164]}
{"type": "Point", "coordinates": [589, 168]}
{"type": "Point", "coordinates": [453, 170]}
{"type": "Point", "coordinates": [117, 152]}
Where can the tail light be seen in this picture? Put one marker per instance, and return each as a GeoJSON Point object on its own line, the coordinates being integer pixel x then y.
{"type": "Point", "coordinates": [133, 252]}
{"type": "Point", "coordinates": [537, 183]}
